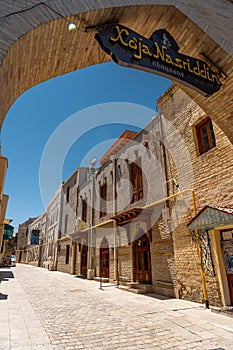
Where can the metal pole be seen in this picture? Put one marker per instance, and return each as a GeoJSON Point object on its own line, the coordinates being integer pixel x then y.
{"type": "Point", "coordinates": [203, 276]}
{"type": "Point", "coordinates": [92, 216]}
{"type": "Point", "coordinates": [199, 250]}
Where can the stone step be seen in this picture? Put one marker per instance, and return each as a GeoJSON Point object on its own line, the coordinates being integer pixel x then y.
{"type": "Point", "coordinates": [101, 279]}
{"type": "Point", "coordinates": [131, 290]}
{"type": "Point", "coordinates": [137, 288]}
{"type": "Point", "coordinates": [82, 276]}
{"type": "Point", "coordinates": [147, 288]}
{"type": "Point", "coordinates": [136, 291]}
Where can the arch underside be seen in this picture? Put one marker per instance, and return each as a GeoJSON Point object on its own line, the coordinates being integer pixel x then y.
{"type": "Point", "coordinates": [49, 50]}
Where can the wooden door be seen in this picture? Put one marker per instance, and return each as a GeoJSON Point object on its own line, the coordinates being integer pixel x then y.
{"type": "Point", "coordinates": [104, 259]}
{"type": "Point", "coordinates": [84, 260]}
{"type": "Point", "coordinates": [230, 284]}
{"type": "Point", "coordinates": [142, 260]}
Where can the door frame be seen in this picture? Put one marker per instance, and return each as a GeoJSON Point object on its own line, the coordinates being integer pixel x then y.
{"type": "Point", "coordinates": [146, 276]}
{"type": "Point", "coordinates": [104, 264]}
{"type": "Point", "coordinates": [227, 252]}
{"type": "Point", "coordinates": [219, 263]}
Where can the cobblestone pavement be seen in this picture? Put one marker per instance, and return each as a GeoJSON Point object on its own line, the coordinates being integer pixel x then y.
{"type": "Point", "coordinates": [43, 310]}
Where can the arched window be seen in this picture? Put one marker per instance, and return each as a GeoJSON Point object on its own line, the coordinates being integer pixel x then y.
{"type": "Point", "coordinates": [103, 199]}
{"type": "Point", "coordinates": [136, 181]}
{"type": "Point", "coordinates": [84, 210]}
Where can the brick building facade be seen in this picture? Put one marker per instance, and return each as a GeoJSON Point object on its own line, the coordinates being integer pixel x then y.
{"type": "Point", "coordinates": [69, 220]}
{"type": "Point", "coordinates": [22, 240]}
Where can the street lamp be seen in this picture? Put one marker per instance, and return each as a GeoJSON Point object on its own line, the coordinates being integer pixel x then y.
{"type": "Point", "coordinates": [72, 26]}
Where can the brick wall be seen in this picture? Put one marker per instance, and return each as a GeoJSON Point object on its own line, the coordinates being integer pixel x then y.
{"type": "Point", "coordinates": [210, 179]}
{"type": "Point", "coordinates": [61, 264]}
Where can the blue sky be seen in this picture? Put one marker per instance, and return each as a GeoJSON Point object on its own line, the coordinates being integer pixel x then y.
{"type": "Point", "coordinates": [36, 114]}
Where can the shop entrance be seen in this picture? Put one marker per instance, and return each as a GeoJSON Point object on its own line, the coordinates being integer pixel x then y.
{"type": "Point", "coordinates": [142, 271]}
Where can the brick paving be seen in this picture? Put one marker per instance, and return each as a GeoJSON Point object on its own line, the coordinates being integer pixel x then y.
{"type": "Point", "coordinates": [44, 310]}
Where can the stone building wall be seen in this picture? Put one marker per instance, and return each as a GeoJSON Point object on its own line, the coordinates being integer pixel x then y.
{"type": "Point", "coordinates": [125, 263]}
{"type": "Point", "coordinates": [22, 240]}
{"type": "Point", "coordinates": [53, 215]}
{"type": "Point", "coordinates": [21, 256]}
{"type": "Point", "coordinates": [207, 174]}
{"type": "Point", "coordinates": [64, 264]}
{"type": "Point", "coordinates": [211, 169]}
{"type": "Point", "coordinates": [78, 260]}
{"type": "Point", "coordinates": [145, 150]}
{"type": "Point", "coordinates": [68, 216]}
{"type": "Point", "coordinates": [33, 251]}
{"type": "Point", "coordinates": [52, 229]}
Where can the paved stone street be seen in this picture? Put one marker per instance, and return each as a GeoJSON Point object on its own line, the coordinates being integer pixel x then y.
{"type": "Point", "coordinates": [47, 310]}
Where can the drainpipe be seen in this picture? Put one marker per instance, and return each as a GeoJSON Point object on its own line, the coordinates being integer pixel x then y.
{"type": "Point", "coordinates": [203, 276]}
{"type": "Point", "coordinates": [199, 250]}
{"type": "Point", "coordinates": [164, 158]}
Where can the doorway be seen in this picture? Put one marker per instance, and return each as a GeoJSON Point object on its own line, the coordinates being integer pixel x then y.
{"type": "Point", "coordinates": [142, 260]}
{"type": "Point", "coordinates": [104, 259]}
{"type": "Point", "coordinates": [84, 260]}
{"type": "Point", "coordinates": [230, 285]}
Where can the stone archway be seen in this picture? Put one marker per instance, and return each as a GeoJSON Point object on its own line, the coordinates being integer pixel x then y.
{"type": "Point", "coordinates": [50, 50]}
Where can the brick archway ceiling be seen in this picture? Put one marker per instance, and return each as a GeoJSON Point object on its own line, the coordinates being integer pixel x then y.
{"type": "Point", "coordinates": [36, 46]}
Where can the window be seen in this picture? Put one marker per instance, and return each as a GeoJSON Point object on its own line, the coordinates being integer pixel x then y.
{"type": "Point", "coordinates": [67, 194]}
{"type": "Point", "coordinates": [67, 253]}
{"type": "Point", "coordinates": [205, 136]}
{"type": "Point", "coordinates": [119, 172]}
{"type": "Point", "coordinates": [103, 200]}
{"type": "Point", "coordinates": [66, 222]}
{"type": "Point", "coordinates": [84, 210]}
{"type": "Point", "coordinates": [136, 181]}
{"type": "Point", "coordinates": [77, 201]}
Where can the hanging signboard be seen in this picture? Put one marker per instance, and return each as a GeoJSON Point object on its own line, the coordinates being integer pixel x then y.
{"type": "Point", "coordinates": [159, 55]}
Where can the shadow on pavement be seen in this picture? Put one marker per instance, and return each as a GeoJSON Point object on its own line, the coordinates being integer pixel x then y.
{"type": "Point", "coordinates": [3, 296]}
{"type": "Point", "coordinates": [157, 296]}
{"type": "Point", "coordinates": [5, 275]}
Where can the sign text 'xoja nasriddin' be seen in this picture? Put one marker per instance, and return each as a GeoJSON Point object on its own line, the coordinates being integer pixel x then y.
{"type": "Point", "coordinates": [159, 55]}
